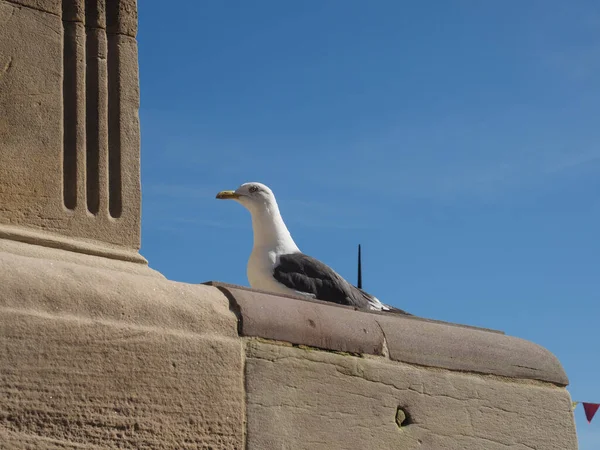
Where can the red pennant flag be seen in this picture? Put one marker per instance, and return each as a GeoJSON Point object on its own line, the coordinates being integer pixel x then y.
{"type": "Point", "coordinates": [590, 409]}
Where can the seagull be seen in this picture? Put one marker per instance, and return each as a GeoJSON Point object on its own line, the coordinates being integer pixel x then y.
{"type": "Point", "coordinates": [277, 265]}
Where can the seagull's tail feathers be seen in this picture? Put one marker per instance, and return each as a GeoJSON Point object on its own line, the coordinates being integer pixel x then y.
{"type": "Point", "coordinates": [376, 305]}
{"type": "Point", "coordinates": [393, 310]}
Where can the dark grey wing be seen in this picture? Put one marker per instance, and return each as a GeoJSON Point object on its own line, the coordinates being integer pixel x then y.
{"type": "Point", "coordinates": [304, 273]}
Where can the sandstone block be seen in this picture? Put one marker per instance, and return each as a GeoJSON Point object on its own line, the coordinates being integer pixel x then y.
{"type": "Point", "coordinates": [302, 399]}
{"type": "Point", "coordinates": [73, 382]}
{"type": "Point", "coordinates": [97, 357]}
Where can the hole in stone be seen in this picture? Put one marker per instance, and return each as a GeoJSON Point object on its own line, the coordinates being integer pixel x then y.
{"type": "Point", "coordinates": [403, 418]}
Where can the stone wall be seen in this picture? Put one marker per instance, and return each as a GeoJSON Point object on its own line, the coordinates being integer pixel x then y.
{"type": "Point", "coordinates": [304, 399]}
{"type": "Point", "coordinates": [98, 358]}
{"type": "Point", "coordinates": [101, 358]}
{"type": "Point", "coordinates": [334, 378]}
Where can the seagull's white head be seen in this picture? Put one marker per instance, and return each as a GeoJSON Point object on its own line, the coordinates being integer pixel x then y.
{"type": "Point", "coordinates": [255, 197]}
{"type": "Point", "coordinates": [269, 229]}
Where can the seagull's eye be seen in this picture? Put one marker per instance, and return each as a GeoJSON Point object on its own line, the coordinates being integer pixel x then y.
{"type": "Point", "coordinates": [253, 189]}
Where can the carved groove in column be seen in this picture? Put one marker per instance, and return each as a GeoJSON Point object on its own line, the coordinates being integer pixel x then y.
{"type": "Point", "coordinates": [73, 104]}
{"type": "Point", "coordinates": [115, 205]}
{"type": "Point", "coordinates": [97, 105]}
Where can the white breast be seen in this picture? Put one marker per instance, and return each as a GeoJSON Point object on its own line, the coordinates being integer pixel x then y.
{"type": "Point", "coordinates": [260, 272]}
{"type": "Point", "coordinates": [260, 266]}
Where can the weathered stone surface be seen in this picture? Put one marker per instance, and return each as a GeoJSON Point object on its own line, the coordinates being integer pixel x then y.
{"type": "Point", "coordinates": [95, 13]}
{"type": "Point", "coordinates": [312, 323]}
{"type": "Point", "coordinates": [59, 287]}
{"type": "Point", "coordinates": [117, 16]}
{"type": "Point", "coordinates": [73, 10]}
{"type": "Point", "coordinates": [124, 120]}
{"type": "Point", "coordinates": [69, 128]}
{"type": "Point", "coordinates": [30, 123]}
{"type": "Point", "coordinates": [122, 17]}
{"type": "Point", "coordinates": [72, 255]}
{"type": "Point", "coordinates": [97, 358]}
{"type": "Point", "coordinates": [466, 349]}
{"type": "Point", "coordinates": [49, 6]}
{"type": "Point", "coordinates": [113, 385]}
{"type": "Point", "coordinates": [301, 399]}
{"type": "Point", "coordinates": [57, 241]}
{"type": "Point", "coordinates": [407, 338]}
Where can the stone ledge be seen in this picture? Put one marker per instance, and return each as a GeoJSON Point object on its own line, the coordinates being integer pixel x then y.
{"type": "Point", "coordinates": [19, 248]}
{"type": "Point", "coordinates": [295, 320]}
{"type": "Point", "coordinates": [408, 339]}
{"type": "Point", "coordinates": [49, 286]}
{"type": "Point", "coordinates": [71, 244]}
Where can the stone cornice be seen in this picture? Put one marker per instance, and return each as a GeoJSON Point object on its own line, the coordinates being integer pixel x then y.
{"type": "Point", "coordinates": [402, 338]}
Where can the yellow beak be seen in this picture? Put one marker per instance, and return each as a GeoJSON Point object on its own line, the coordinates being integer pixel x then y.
{"type": "Point", "coordinates": [227, 195]}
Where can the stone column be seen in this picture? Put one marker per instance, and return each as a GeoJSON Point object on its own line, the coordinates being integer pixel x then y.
{"type": "Point", "coordinates": [96, 349]}
{"type": "Point", "coordinates": [69, 126]}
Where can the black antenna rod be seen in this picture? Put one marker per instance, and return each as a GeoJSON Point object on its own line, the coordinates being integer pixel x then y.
{"type": "Point", "coordinates": [359, 284]}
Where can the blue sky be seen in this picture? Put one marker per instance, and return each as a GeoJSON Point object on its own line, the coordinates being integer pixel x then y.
{"type": "Point", "coordinates": [458, 142]}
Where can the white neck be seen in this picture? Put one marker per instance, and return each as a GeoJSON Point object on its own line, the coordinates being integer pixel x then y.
{"type": "Point", "coordinates": [270, 230]}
